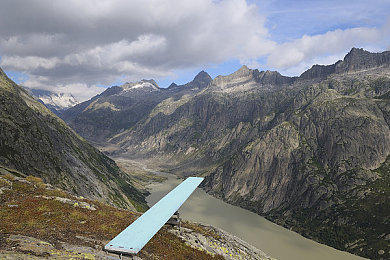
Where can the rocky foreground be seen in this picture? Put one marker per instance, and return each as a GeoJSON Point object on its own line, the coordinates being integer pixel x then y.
{"type": "Point", "coordinates": [39, 221]}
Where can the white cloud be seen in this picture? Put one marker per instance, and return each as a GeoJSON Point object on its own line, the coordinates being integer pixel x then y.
{"type": "Point", "coordinates": [31, 44]}
{"type": "Point", "coordinates": [95, 42]}
{"type": "Point", "coordinates": [297, 69]}
{"type": "Point", "coordinates": [81, 91]}
{"type": "Point", "coordinates": [307, 48]}
{"type": "Point", "coordinates": [28, 63]}
{"type": "Point", "coordinates": [68, 43]}
{"type": "Point", "coordinates": [108, 55]}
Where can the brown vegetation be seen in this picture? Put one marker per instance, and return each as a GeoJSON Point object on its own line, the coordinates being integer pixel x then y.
{"type": "Point", "coordinates": [31, 208]}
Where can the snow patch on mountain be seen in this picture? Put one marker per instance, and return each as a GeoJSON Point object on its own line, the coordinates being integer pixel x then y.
{"type": "Point", "coordinates": [60, 100]}
{"type": "Point", "coordinates": [150, 85]}
{"type": "Point", "coordinates": [54, 100]}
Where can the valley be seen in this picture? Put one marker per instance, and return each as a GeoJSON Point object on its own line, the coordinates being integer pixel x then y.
{"type": "Point", "coordinates": [309, 153]}
{"type": "Point", "coordinates": [274, 117]}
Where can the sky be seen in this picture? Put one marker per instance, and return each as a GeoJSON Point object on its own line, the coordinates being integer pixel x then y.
{"type": "Point", "coordinates": [83, 47]}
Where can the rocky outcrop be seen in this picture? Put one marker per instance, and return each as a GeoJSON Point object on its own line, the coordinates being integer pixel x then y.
{"type": "Point", "coordinates": [220, 243]}
{"type": "Point", "coordinates": [36, 142]}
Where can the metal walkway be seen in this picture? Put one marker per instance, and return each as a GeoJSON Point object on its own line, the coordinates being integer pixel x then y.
{"type": "Point", "coordinates": [132, 239]}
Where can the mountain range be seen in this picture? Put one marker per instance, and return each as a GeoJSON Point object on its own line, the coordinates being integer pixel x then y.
{"type": "Point", "coordinates": [308, 152]}
{"type": "Point", "coordinates": [121, 107]}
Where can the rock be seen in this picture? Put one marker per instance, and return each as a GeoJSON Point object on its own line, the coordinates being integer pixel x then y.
{"type": "Point", "coordinates": [75, 203]}
{"type": "Point", "coordinates": [33, 248]}
{"type": "Point", "coordinates": [225, 244]}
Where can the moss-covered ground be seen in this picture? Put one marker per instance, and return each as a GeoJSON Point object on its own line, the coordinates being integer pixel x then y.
{"type": "Point", "coordinates": [28, 207]}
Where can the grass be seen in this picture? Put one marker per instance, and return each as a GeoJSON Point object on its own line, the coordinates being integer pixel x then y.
{"type": "Point", "coordinates": [23, 211]}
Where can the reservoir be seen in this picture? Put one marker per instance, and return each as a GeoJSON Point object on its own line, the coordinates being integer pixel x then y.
{"type": "Point", "coordinates": [272, 239]}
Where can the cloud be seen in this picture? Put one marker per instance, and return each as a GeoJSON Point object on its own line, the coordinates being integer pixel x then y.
{"type": "Point", "coordinates": [81, 91]}
{"type": "Point", "coordinates": [108, 55]}
{"type": "Point", "coordinates": [97, 42]}
{"type": "Point", "coordinates": [293, 53]}
{"type": "Point", "coordinates": [72, 44]}
{"type": "Point", "coordinates": [28, 63]}
{"type": "Point", "coordinates": [311, 32]}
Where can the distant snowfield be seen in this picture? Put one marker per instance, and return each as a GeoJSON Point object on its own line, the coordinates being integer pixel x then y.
{"type": "Point", "coordinates": [59, 101]}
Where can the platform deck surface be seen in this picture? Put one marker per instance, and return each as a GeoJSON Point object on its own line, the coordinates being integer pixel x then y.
{"type": "Point", "coordinates": [132, 239]}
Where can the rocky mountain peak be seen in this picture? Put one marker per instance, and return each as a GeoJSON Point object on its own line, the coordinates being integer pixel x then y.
{"type": "Point", "coordinates": [356, 51]}
{"type": "Point", "coordinates": [202, 79]}
{"type": "Point", "coordinates": [151, 81]}
{"type": "Point", "coordinates": [242, 75]}
{"type": "Point", "coordinates": [173, 85]}
{"type": "Point", "coordinates": [357, 59]}
{"type": "Point", "coordinates": [202, 76]}
{"type": "Point", "coordinates": [144, 84]}
{"type": "Point", "coordinates": [243, 71]}
{"type": "Point", "coordinates": [272, 78]}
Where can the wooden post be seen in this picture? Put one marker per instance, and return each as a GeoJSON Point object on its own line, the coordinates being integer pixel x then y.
{"type": "Point", "coordinates": [179, 219]}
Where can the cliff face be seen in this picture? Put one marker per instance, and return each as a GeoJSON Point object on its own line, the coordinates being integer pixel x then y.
{"type": "Point", "coordinates": [36, 142]}
{"type": "Point", "coordinates": [320, 164]}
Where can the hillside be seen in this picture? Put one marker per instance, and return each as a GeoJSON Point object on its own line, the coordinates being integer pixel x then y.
{"type": "Point", "coordinates": [35, 141]}
{"type": "Point", "coordinates": [41, 222]}
{"type": "Point", "coordinates": [308, 152]}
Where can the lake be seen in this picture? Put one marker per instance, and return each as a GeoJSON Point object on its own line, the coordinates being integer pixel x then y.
{"type": "Point", "coordinates": [272, 239]}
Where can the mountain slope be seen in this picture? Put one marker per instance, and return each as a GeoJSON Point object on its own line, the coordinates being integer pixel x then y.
{"type": "Point", "coordinates": [36, 142]}
{"type": "Point", "coordinates": [308, 152]}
